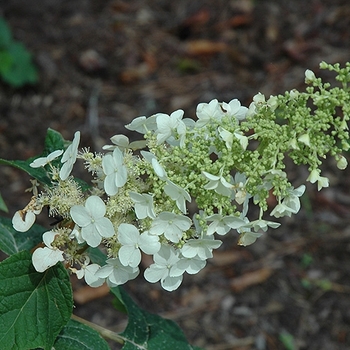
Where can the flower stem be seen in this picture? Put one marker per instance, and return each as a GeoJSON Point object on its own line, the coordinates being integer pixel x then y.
{"type": "Point", "coordinates": [105, 333]}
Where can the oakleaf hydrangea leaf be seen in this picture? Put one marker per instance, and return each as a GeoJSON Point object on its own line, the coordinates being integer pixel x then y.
{"type": "Point", "coordinates": [149, 331]}
{"type": "Point", "coordinates": [34, 306]}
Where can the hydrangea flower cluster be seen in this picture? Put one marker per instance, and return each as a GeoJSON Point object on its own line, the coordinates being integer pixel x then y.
{"type": "Point", "coordinates": [187, 183]}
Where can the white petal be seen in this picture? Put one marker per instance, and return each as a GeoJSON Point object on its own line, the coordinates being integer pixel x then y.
{"type": "Point", "coordinates": [137, 124]}
{"type": "Point", "coordinates": [183, 222]}
{"type": "Point", "coordinates": [80, 215]}
{"type": "Point", "coordinates": [66, 170]}
{"type": "Point", "coordinates": [141, 211]}
{"type": "Point", "coordinates": [123, 274]}
{"type": "Point", "coordinates": [154, 273]}
{"type": "Point", "coordinates": [95, 206]}
{"type": "Point", "coordinates": [118, 156]}
{"type": "Point", "coordinates": [104, 227]}
{"type": "Point", "coordinates": [143, 205]}
{"type": "Point", "coordinates": [158, 169]}
{"type": "Point", "coordinates": [53, 155]}
{"type": "Point", "coordinates": [129, 256]}
{"type": "Point", "coordinates": [149, 244]}
{"type": "Point", "coordinates": [299, 191]}
{"type": "Point", "coordinates": [188, 251]}
{"type": "Point", "coordinates": [163, 123]}
{"type": "Point", "coordinates": [158, 227]}
{"type": "Point", "coordinates": [48, 238]}
{"type": "Point", "coordinates": [110, 185]}
{"type": "Point", "coordinates": [121, 176]}
{"type": "Point", "coordinates": [42, 161]}
{"type": "Point", "coordinates": [69, 157]}
{"type": "Point", "coordinates": [143, 124]}
{"type": "Point", "coordinates": [234, 222]}
{"type": "Point", "coordinates": [248, 238]}
{"type": "Point", "coordinates": [23, 221]}
{"type": "Point", "coordinates": [91, 236]}
{"type": "Point", "coordinates": [171, 283]}
{"type": "Point", "coordinates": [120, 140]}
{"type": "Point", "coordinates": [90, 276]}
{"type": "Point", "coordinates": [166, 256]}
{"type": "Point", "coordinates": [195, 265]}
{"type": "Point", "coordinates": [243, 140]}
{"type": "Point", "coordinates": [211, 176]}
{"type": "Point", "coordinates": [136, 197]}
{"type": "Point", "coordinates": [173, 234]}
{"type": "Point", "coordinates": [76, 234]}
{"type": "Point", "coordinates": [177, 115]}
{"type": "Point", "coordinates": [108, 165]}
{"type": "Point", "coordinates": [226, 136]}
{"type": "Point", "coordinates": [104, 271]}
{"type": "Point", "coordinates": [43, 258]}
{"type": "Point", "coordinates": [128, 234]}
{"type": "Point", "coordinates": [39, 162]}
{"type": "Point", "coordinates": [80, 273]}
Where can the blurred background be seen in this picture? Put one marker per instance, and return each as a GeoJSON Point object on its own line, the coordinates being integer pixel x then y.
{"type": "Point", "coordinates": [99, 64]}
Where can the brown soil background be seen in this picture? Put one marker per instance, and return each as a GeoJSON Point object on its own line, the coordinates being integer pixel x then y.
{"type": "Point", "coordinates": [103, 63]}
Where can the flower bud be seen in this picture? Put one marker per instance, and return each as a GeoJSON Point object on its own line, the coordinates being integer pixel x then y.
{"type": "Point", "coordinates": [344, 125]}
{"type": "Point", "coordinates": [323, 65]}
{"type": "Point", "coordinates": [272, 102]}
{"type": "Point", "coordinates": [345, 145]}
{"type": "Point", "coordinates": [309, 76]}
{"type": "Point", "coordinates": [293, 94]}
{"type": "Point", "coordinates": [259, 98]}
{"type": "Point", "coordinates": [342, 163]}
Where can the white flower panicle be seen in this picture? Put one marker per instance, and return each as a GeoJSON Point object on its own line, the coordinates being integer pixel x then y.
{"type": "Point", "coordinates": [215, 167]}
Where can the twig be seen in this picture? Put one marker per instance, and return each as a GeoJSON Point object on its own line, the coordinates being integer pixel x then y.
{"type": "Point", "coordinates": [92, 114]}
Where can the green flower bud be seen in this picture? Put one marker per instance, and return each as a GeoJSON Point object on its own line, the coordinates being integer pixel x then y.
{"type": "Point", "coordinates": [309, 76]}
{"type": "Point", "coordinates": [342, 163]}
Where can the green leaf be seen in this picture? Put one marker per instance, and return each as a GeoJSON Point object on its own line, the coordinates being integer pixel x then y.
{"type": "Point", "coordinates": [5, 34]}
{"type": "Point", "coordinates": [53, 141]}
{"type": "Point", "coordinates": [287, 340]}
{"type": "Point", "coordinates": [22, 70]}
{"type": "Point", "coordinates": [12, 242]}
{"type": "Point", "coordinates": [96, 256]}
{"type": "Point", "coordinates": [77, 336]}
{"type": "Point", "coordinates": [149, 331]}
{"type": "Point", "coordinates": [3, 206]}
{"type": "Point", "coordinates": [34, 306]}
{"type": "Point", "coordinates": [36, 173]}
{"type": "Point", "coordinates": [6, 61]}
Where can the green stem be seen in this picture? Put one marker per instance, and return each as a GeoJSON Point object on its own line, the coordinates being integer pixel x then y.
{"type": "Point", "coordinates": [105, 333]}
